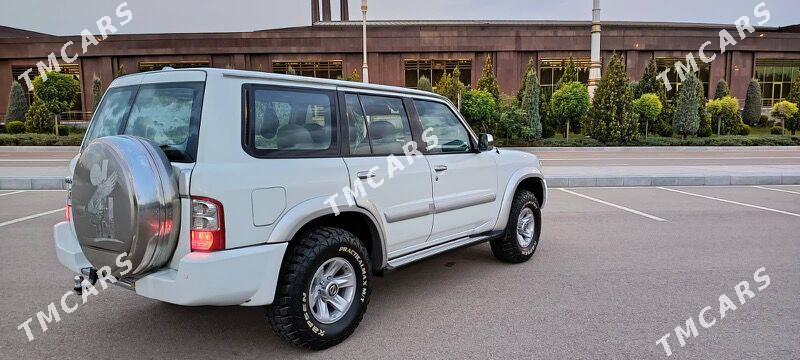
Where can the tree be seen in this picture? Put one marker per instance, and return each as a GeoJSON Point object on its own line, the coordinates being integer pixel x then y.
{"type": "Point", "coordinates": [725, 114]}
{"type": "Point", "coordinates": [548, 124]}
{"type": "Point", "coordinates": [723, 90]}
{"type": "Point", "coordinates": [523, 83]}
{"type": "Point", "coordinates": [512, 122]}
{"type": "Point", "coordinates": [450, 86]}
{"type": "Point", "coordinates": [488, 82]}
{"type": "Point", "coordinates": [58, 93]}
{"type": "Point", "coordinates": [39, 119]}
{"type": "Point", "coordinates": [704, 129]}
{"type": "Point", "coordinates": [794, 93]}
{"type": "Point", "coordinates": [97, 94]}
{"type": "Point", "coordinates": [752, 103]}
{"type": "Point", "coordinates": [424, 84]}
{"type": "Point", "coordinates": [354, 76]}
{"type": "Point", "coordinates": [530, 104]}
{"type": "Point", "coordinates": [611, 117]}
{"type": "Point", "coordinates": [650, 83]}
{"type": "Point", "coordinates": [17, 103]}
{"type": "Point", "coordinates": [479, 109]}
{"type": "Point", "coordinates": [687, 118]}
{"type": "Point", "coordinates": [785, 111]}
{"type": "Point", "coordinates": [647, 108]}
{"type": "Point", "coordinates": [121, 70]}
{"type": "Point", "coordinates": [570, 74]}
{"type": "Point", "coordinates": [569, 104]}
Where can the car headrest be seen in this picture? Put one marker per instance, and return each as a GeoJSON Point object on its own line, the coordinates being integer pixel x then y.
{"type": "Point", "coordinates": [291, 135]}
{"type": "Point", "coordinates": [317, 132]}
{"type": "Point", "coordinates": [379, 130]}
{"type": "Point", "coordinates": [268, 122]}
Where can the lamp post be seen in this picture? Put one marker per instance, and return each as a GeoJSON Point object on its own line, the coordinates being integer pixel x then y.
{"type": "Point", "coordinates": [596, 65]}
{"type": "Point", "coordinates": [365, 67]}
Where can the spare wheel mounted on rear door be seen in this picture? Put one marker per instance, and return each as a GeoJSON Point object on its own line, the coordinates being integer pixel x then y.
{"type": "Point", "coordinates": [125, 200]}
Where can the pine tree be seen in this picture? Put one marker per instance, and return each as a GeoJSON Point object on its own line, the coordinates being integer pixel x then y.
{"type": "Point", "coordinates": [570, 74]}
{"type": "Point", "coordinates": [17, 103]}
{"type": "Point", "coordinates": [121, 71]}
{"type": "Point", "coordinates": [450, 86]}
{"type": "Point", "coordinates": [290, 71]}
{"type": "Point", "coordinates": [530, 103]}
{"type": "Point", "coordinates": [611, 117]}
{"type": "Point", "coordinates": [424, 84]}
{"type": "Point", "coordinates": [97, 94]}
{"type": "Point", "coordinates": [704, 129]}
{"type": "Point", "coordinates": [687, 118]}
{"type": "Point", "coordinates": [752, 103]}
{"type": "Point", "coordinates": [523, 82]}
{"type": "Point", "coordinates": [723, 90]}
{"type": "Point", "coordinates": [488, 82]}
{"type": "Point", "coordinates": [650, 83]}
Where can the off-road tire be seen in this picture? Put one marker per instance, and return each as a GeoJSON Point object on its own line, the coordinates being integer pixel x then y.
{"type": "Point", "coordinates": [507, 248]}
{"type": "Point", "coordinates": [290, 316]}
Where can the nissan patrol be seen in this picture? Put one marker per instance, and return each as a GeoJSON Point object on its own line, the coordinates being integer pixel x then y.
{"type": "Point", "coordinates": [224, 187]}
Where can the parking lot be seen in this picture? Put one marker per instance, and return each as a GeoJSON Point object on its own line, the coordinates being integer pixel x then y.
{"type": "Point", "coordinates": [616, 270]}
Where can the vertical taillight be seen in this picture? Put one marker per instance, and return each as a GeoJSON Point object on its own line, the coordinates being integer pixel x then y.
{"type": "Point", "coordinates": [207, 225]}
{"type": "Point", "coordinates": [68, 208]}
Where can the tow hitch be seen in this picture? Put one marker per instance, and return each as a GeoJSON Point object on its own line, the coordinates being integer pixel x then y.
{"type": "Point", "coordinates": [91, 275]}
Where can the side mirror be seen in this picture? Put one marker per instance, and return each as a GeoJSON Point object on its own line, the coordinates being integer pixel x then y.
{"type": "Point", "coordinates": [486, 142]}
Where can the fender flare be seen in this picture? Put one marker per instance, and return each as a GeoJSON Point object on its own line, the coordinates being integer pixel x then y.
{"type": "Point", "coordinates": [508, 196]}
{"type": "Point", "coordinates": [301, 214]}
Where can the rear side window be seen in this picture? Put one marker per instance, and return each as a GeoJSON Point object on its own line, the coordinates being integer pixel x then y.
{"type": "Point", "coordinates": [287, 122]}
{"type": "Point", "coordinates": [378, 125]}
{"type": "Point", "coordinates": [167, 114]}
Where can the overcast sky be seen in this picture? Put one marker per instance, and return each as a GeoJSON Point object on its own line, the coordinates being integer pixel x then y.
{"type": "Point", "coordinates": [62, 17]}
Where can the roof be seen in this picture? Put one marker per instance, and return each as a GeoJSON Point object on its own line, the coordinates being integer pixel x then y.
{"type": "Point", "coordinates": [10, 32]}
{"type": "Point", "coordinates": [528, 23]}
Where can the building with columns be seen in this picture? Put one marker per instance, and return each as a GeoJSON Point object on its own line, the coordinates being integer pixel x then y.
{"type": "Point", "coordinates": [402, 51]}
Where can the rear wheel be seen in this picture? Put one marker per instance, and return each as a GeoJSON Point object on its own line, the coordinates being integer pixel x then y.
{"type": "Point", "coordinates": [522, 230]}
{"type": "Point", "coordinates": [323, 289]}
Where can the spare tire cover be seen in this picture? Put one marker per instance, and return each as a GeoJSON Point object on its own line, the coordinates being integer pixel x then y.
{"type": "Point", "coordinates": [125, 200]}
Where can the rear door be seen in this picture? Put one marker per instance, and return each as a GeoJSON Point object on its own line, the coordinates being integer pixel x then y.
{"type": "Point", "coordinates": [464, 180]}
{"type": "Point", "coordinates": [395, 187]}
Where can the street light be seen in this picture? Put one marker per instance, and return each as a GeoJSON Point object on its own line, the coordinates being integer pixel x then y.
{"type": "Point", "coordinates": [364, 27]}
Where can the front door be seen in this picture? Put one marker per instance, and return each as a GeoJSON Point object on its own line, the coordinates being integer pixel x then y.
{"type": "Point", "coordinates": [395, 187]}
{"type": "Point", "coordinates": [464, 181]}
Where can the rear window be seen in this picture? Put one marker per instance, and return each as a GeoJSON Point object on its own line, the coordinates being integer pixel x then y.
{"type": "Point", "coordinates": [290, 122]}
{"type": "Point", "coordinates": [167, 114]}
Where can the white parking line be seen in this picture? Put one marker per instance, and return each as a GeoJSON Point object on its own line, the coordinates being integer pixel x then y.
{"type": "Point", "coordinates": [29, 217]}
{"type": "Point", "coordinates": [632, 211]}
{"type": "Point", "coordinates": [732, 202]}
{"type": "Point", "coordinates": [12, 193]}
{"type": "Point", "coordinates": [778, 190]}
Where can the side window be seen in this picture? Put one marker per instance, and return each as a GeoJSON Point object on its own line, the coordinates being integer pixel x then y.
{"type": "Point", "coordinates": [290, 122]}
{"type": "Point", "coordinates": [387, 124]}
{"type": "Point", "coordinates": [437, 119]}
{"type": "Point", "coordinates": [359, 143]}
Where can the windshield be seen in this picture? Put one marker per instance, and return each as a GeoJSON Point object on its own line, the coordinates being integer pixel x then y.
{"type": "Point", "coordinates": [167, 114]}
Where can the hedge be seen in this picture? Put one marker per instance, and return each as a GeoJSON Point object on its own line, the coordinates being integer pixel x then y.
{"type": "Point", "coordinates": [40, 140]}
{"type": "Point", "coordinates": [727, 140]}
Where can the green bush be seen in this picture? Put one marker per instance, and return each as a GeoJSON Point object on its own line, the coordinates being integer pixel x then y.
{"type": "Point", "coordinates": [647, 108]}
{"type": "Point", "coordinates": [58, 91]}
{"type": "Point", "coordinates": [776, 130]}
{"type": "Point", "coordinates": [39, 140]}
{"type": "Point", "coordinates": [15, 127]}
{"type": "Point", "coordinates": [786, 112]}
{"type": "Point", "coordinates": [63, 130]}
{"type": "Point", "coordinates": [479, 109]}
{"type": "Point", "coordinates": [424, 84]}
{"type": "Point", "coordinates": [764, 121]}
{"type": "Point", "coordinates": [611, 117]}
{"type": "Point", "coordinates": [39, 119]}
{"type": "Point", "coordinates": [725, 140]}
{"type": "Point", "coordinates": [569, 104]}
{"type": "Point", "coordinates": [744, 130]}
{"type": "Point", "coordinates": [530, 104]}
{"type": "Point", "coordinates": [17, 103]}
{"type": "Point", "coordinates": [723, 90]}
{"type": "Point", "coordinates": [752, 103]}
{"type": "Point", "coordinates": [487, 81]}
{"type": "Point", "coordinates": [450, 86]}
{"type": "Point", "coordinates": [725, 114]}
{"type": "Point", "coordinates": [687, 117]}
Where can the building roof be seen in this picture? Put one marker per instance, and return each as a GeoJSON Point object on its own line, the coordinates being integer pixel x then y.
{"type": "Point", "coordinates": [10, 32]}
{"type": "Point", "coordinates": [530, 23]}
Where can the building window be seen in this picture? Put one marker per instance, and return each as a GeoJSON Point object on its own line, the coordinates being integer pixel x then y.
{"type": "Point", "coordinates": [435, 69]}
{"type": "Point", "coordinates": [776, 78]}
{"type": "Point", "coordinates": [76, 113]}
{"type": "Point", "coordinates": [318, 69]}
{"type": "Point", "coordinates": [551, 71]}
{"type": "Point", "coordinates": [158, 65]}
{"type": "Point", "coordinates": [703, 73]}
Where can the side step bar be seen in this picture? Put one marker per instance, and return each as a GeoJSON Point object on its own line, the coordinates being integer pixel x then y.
{"type": "Point", "coordinates": [438, 249]}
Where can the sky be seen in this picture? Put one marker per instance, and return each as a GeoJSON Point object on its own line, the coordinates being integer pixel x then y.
{"type": "Point", "coordinates": [61, 17]}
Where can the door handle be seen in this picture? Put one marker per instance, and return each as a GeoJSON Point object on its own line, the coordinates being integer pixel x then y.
{"type": "Point", "coordinates": [363, 175]}
{"type": "Point", "coordinates": [440, 168]}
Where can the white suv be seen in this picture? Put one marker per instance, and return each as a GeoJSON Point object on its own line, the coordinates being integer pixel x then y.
{"type": "Point", "coordinates": [224, 187]}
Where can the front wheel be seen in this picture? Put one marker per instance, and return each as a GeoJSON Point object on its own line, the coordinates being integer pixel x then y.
{"type": "Point", "coordinates": [521, 237]}
{"type": "Point", "coordinates": [323, 289]}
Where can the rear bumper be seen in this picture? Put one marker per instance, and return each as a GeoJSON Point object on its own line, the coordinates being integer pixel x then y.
{"type": "Point", "coordinates": [246, 276]}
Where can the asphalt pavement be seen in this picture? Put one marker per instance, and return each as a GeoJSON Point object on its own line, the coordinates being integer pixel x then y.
{"type": "Point", "coordinates": [617, 269]}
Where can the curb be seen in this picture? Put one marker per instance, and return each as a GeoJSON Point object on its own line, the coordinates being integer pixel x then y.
{"type": "Point", "coordinates": [57, 182]}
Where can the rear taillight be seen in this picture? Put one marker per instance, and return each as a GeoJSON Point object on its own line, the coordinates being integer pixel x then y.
{"type": "Point", "coordinates": [68, 208]}
{"type": "Point", "coordinates": [207, 225]}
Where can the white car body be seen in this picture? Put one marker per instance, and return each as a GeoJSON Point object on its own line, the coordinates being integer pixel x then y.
{"type": "Point", "coordinates": [419, 212]}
